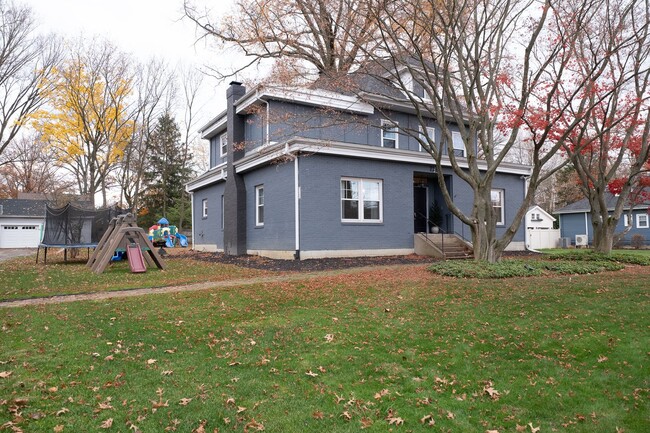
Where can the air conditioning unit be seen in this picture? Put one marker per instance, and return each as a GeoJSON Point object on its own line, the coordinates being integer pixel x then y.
{"type": "Point", "coordinates": [565, 242]}
{"type": "Point", "coordinates": [582, 241]}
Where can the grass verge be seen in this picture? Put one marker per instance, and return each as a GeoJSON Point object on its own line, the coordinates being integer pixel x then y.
{"type": "Point", "coordinates": [22, 278]}
{"type": "Point", "coordinates": [399, 349]}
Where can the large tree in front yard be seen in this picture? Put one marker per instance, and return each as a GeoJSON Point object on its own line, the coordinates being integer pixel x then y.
{"type": "Point", "coordinates": [610, 150]}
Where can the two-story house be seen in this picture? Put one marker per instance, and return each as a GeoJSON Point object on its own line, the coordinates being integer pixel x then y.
{"type": "Point", "coordinates": [308, 173]}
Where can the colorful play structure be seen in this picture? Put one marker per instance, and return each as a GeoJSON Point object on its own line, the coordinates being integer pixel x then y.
{"type": "Point", "coordinates": [123, 235]}
{"type": "Point", "coordinates": [164, 235]}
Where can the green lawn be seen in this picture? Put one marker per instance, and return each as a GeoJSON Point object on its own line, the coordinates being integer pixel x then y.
{"type": "Point", "coordinates": [384, 350]}
{"type": "Point", "coordinates": [23, 278]}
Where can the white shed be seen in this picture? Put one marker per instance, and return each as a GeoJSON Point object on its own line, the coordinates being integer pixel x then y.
{"type": "Point", "coordinates": [539, 229]}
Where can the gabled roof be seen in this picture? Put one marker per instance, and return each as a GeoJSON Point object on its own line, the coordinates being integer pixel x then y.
{"type": "Point", "coordinates": [582, 206]}
{"type": "Point", "coordinates": [537, 208]}
{"type": "Point", "coordinates": [22, 208]}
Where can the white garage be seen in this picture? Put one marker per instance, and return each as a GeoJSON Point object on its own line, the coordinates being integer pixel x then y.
{"type": "Point", "coordinates": [21, 223]}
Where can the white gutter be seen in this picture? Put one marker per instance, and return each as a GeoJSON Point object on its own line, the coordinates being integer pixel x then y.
{"type": "Point", "coordinates": [296, 205]}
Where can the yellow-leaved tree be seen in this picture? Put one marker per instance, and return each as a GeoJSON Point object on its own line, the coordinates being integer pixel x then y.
{"type": "Point", "coordinates": [89, 118]}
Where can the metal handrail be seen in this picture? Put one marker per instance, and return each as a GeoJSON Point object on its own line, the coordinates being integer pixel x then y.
{"type": "Point", "coordinates": [442, 245]}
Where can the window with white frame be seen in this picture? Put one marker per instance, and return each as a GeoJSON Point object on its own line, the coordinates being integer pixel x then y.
{"type": "Point", "coordinates": [431, 135]}
{"type": "Point", "coordinates": [259, 205]}
{"type": "Point", "coordinates": [458, 144]}
{"type": "Point", "coordinates": [204, 207]}
{"type": "Point", "coordinates": [497, 196]}
{"type": "Point", "coordinates": [223, 144]}
{"type": "Point", "coordinates": [361, 200]}
{"type": "Point", "coordinates": [626, 220]}
{"type": "Point", "coordinates": [223, 213]}
{"type": "Point", "coordinates": [642, 221]}
{"type": "Point", "coordinates": [389, 134]}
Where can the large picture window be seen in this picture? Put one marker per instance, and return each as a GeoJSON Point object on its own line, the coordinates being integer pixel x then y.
{"type": "Point", "coordinates": [389, 134]}
{"type": "Point", "coordinates": [361, 200]}
{"type": "Point", "coordinates": [259, 205]}
{"type": "Point", "coordinates": [497, 196]}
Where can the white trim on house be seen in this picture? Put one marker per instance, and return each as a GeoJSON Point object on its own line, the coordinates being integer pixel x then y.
{"type": "Point", "coordinates": [259, 156]}
{"type": "Point", "coordinates": [211, 176]}
{"type": "Point", "coordinates": [388, 128]}
{"type": "Point", "coordinates": [646, 223]}
{"type": "Point", "coordinates": [192, 214]}
{"type": "Point", "coordinates": [296, 192]}
{"type": "Point", "coordinates": [321, 254]}
{"type": "Point", "coordinates": [214, 126]}
{"type": "Point", "coordinates": [208, 248]}
{"type": "Point", "coordinates": [223, 138]}
{"type": "Point", "coordinates": [314, 97]}
{"type": "Point", "coordinates": [259, 205]}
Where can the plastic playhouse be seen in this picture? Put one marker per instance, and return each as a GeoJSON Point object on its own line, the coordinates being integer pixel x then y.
{"type": "Point", "coordinates": [164, 235]}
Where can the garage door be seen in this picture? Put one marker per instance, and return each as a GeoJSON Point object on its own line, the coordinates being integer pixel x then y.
{"type": "Point", "coordinates": [20, 236]}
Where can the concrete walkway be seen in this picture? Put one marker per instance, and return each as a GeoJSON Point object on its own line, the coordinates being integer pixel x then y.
{"type": "Point", "coordinates": [10, 253]}
{"type": "Point", "coordinates": [194, 287]}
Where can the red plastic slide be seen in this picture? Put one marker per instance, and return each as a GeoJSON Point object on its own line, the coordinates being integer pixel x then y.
{"type": "Point", "coordinates": [136, 261]}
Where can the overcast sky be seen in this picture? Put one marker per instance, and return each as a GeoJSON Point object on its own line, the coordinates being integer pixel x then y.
{"type": "Point", "coordinates": [144, 28]}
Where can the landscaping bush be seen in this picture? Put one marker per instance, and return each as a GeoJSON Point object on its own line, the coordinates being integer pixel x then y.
{"type": "Point", "coordinates": [592, 256]}
{"type": "Point", "coordinates": [520, 268]}
{"type": "Point", "coordinates": [638, 241]}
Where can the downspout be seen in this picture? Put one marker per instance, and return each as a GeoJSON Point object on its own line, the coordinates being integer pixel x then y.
{"type": "Point", "coordinates": [267, 138]}
{"type": "Point", "coordinates": [192, 205]}
{"type": "Point", "coordinates": [587, 228]}
{"type": "Point", "coordinates": [296, 186]}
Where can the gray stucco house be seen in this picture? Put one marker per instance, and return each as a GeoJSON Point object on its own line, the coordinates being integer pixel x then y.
{"type": "Point", "coordinates": [575, 221]}
{"type": "Point", "coordinates": [308, 173]}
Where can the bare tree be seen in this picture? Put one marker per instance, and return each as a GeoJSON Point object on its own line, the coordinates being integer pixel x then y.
{"type": "Point", "coordinates": [329, 36]}
{"type": "Point", "coordinates": [31, 166]}
{"type": "Point", "coordinates": [499, 71]}
{"type": "Point", "coordinates": [26, 61]}
{"type": "Point", "coordinates": [610, 150]}
{"type": "Point", "coordinates": [154, 88]}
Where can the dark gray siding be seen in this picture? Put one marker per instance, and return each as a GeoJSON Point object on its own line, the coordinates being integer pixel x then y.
{"type": "Point", "coordinates": [207, 231]}
{"type": "Point", "coordinates": [320, 207]}
{"type": "Point", "coordinates": [278, 232]}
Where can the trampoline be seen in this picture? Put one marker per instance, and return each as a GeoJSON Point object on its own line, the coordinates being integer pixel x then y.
{"type": "Point", "coordinates": [71, 227]}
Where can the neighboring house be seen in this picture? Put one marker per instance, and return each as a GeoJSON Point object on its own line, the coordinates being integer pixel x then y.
{"type": "Point", "coordinates": [575, 221]}
{"type": "Point", "coordinates": [21, 222]}
{"type": "Point", "coordinates": [539, 229]}
{"type": "Point", "coordinates": [307, 173]}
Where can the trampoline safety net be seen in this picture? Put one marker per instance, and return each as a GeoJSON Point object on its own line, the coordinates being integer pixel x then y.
{"type": "Point", "coordinates": [72, 226]}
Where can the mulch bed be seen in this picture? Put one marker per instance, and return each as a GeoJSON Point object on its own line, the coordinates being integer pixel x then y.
{"type": "Point", "coordinates": [257, 262]}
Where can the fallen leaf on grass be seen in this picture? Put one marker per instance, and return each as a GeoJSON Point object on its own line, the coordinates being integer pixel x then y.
{"type": "Point", "coordinates": [395, 420]}
{"type": "Point", "coordinates": [329, 338]}
{"type": "Point", "coordinates": [62, 411]}
{"type": "Point", "coordinates": [311, 373]}
{"type": "Point", "coordinates": [346, 416]}
{"type": "Point", "coordinates": [240, 409]}
{"type": "Point", "coordinates": [365, 422]}
{"type": "Point", "coordinates": [254, 425]}
{"type": "Point", "coordinates": [520, 427]}
{"type": "Point", "coordinates": [5, 374]}
{"type": "Point", "coordinates": [318, 415]}
{"type": "Point", "coordinates": [602, 358]}
{"type": "Point", "coordinates": [167, 372]}
{"type": "Point", "coordinates": [533, 429]}
{"type": "Point", "coordinates": [428, 419]}
{"type": "Point", "coordinates": [107, 424]}
{"type": "Point", "coordinates": [151, 361]}
{"type": "Point", "coordinates": [381, 393]}
{"type": "Point", "coordinates": [58, 428]}
{"type": "Point", "coordinates": [185, 401]}
{"type": "Point", "coordinates": [450, 415]}
{"type": "Point", "coordinates": [108, 358]}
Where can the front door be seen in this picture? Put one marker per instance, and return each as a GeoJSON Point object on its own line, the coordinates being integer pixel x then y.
{"type": "Point", "coordinates": [420, 209]}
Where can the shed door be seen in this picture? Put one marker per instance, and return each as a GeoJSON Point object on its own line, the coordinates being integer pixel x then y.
{"type": "Point", "coordinates": [20, 236]}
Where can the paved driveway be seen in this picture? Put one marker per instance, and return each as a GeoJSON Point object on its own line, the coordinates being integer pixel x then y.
{"type": "Point", "coordinates": [9, 253]}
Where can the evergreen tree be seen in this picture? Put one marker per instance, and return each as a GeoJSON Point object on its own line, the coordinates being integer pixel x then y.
{"type": "Point", "coordinates": [167, 173]}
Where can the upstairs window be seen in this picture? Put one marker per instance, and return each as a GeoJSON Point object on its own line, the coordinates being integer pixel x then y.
{"type": "Point", "coordinates": [458, 144]}
{"type": "Point", "coordinates": [389, 134]}
{"type": "Point", "coordinates": [361, 200]}
{"type": "Point", "coordinates": [497, 196]}
{"type": "Point", "coordinates": [204, 207]}
{"type": "Point", "coordinates": [223, 144]}
{"type": "Point", "coordinates": [642, 221]}
{"type": "Point", "coordinates": [430, 134]}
